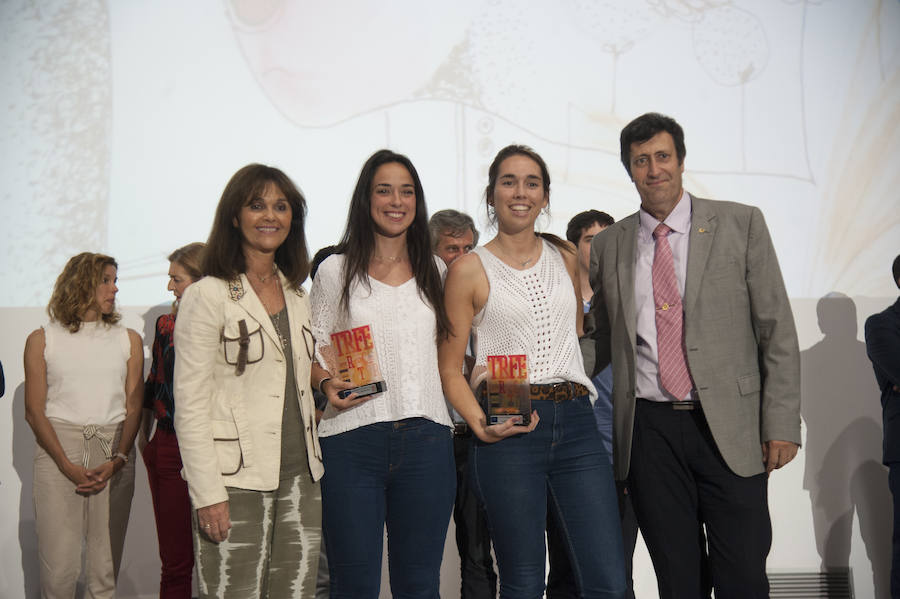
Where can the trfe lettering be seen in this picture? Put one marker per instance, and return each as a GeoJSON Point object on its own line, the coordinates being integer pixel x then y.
{"type": "Point", "coordinates": [508, 367]}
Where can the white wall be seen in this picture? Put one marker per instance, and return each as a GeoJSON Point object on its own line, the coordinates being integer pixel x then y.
{"type": "Point", "coordinates": [122, 121]}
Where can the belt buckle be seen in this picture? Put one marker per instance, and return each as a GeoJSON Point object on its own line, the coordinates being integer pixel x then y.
{"type": "Point", "coordinates": [684, 405]}
{"type": "Point", "coordinates": [562, 391]}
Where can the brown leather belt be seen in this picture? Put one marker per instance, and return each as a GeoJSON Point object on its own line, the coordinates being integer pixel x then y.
{"type": "Point", "coordinates": [555, 392]}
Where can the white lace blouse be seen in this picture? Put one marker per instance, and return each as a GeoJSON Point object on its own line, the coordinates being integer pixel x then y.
{"type": "Point", "coordinates": [403, 330]}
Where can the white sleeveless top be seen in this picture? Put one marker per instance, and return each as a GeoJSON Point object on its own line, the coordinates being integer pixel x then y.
{"type": "Point", "coordinates": [531, 312]}
{"type": "Point", "coordinates": [86, 373]}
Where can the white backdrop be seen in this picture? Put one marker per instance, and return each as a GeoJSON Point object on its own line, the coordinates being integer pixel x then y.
{"type": "Point", "coordinates": [122, 121]}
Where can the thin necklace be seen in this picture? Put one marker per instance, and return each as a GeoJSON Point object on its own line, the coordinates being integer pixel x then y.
{"type": "Point", "coordinates": [265, 279]}
{"type": "Point", "coordinates": [276, 320]}
{"type": "Point", "coordinates": [388, 258]}
{"type": "Point", "coordinates": [521, 263]}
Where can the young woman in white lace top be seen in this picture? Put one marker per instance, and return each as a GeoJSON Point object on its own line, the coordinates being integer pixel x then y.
{"type": "Point", "coordinates": [519, 294]}
{"type": "Point", "coordinates": [388, 456]}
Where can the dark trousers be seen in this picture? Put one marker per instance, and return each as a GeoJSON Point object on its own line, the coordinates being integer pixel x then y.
{"type": "Point", "coordinates": [172, 507]}
{"type": "Point", "coordinates": [894, 483]}
{"type": "Point", "coordinates": [560, 580]}
{"type": "Point", "coordinates": [680, 484]}
{"type": "Point", "coordinates": [478, 579]}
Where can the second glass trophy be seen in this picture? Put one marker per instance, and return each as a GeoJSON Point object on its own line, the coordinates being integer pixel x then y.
{"type": "Point", "coordinates": [507, 393]}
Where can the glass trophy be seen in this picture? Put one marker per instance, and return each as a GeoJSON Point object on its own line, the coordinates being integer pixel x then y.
{"type": "Point", "coordinates": [356, 361]}
{"type": "Point", "coordinates": [507, 392]}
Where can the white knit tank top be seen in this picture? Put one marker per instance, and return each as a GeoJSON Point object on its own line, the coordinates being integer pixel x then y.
{"type": "Point", "coordinates": [531, 312]}
{"type": "Point", "coordinates": [86, 373]}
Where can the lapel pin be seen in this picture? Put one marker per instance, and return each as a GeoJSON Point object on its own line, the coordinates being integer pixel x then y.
{"type": "Point", "coordinates": [701, 230]}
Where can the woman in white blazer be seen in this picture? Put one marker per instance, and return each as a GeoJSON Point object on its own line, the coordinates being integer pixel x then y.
{"type": "Point", "coordinates": [246, 418]}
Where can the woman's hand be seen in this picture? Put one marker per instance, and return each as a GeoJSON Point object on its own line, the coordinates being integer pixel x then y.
{"type": "Point", "coordinates": [214, 521]}
{"type": "Point", "coordinates": [84, 484]}
{"type": "Point", "coordinates": [145, 430]}
{"type": "Point", "coordinates": [331, 387]}
{"type": "Point", "coordinates": [97, 478]}
{"type": "Point", "coordinates": [497, 432]}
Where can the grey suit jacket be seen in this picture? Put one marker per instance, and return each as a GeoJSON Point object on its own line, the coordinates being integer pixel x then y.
{"type": "Point", "coordinates": [739, 331]}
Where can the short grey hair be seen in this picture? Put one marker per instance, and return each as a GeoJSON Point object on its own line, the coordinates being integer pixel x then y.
{"type": "Point", "coordinates": [453, 223]}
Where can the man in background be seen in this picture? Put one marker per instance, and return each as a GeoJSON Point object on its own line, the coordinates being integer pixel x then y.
{"type": "Point", "coordinates": [560, 581]}
{"type": "Point", "coordinates": [883, 348]}
{"type": "Point", "coordinates": [452, 235]}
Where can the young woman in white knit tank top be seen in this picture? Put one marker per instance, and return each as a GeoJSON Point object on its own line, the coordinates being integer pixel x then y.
{"type": "Point", "coordinates": [518, 292]}
{"type": "Point", "coordinates": [83, 401]}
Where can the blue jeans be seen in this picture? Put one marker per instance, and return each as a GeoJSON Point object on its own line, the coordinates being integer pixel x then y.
{"type": "Point", "coordinates": [397, 473]}
{"type": "Point", "coordinates": [561, 464]}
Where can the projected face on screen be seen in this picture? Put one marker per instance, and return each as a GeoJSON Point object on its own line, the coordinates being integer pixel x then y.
{"type": "Point", "coordinates": [124, 120]}
{"type": "Point", "coordinates": [306, 55]}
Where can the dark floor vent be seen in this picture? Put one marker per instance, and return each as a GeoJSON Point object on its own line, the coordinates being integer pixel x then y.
{"type": "Point", "coordinates": [832, 584]}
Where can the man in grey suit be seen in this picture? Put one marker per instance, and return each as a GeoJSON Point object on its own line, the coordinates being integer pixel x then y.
{"type": "Point", "coordinates": [706, 391]}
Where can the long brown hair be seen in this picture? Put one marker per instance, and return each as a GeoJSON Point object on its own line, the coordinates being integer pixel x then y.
{"type": "Point", "coordinates": [358, 241]}
{"type": "Point", "coordinates": [224, 256]}
{"type": "Point", "coordinates": [493, 173]}
{"type": "Point", "coordinates": [75, 290]}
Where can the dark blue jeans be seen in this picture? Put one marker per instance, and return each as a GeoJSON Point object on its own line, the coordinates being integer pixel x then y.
{"type": "Point", "coordinates": [397, 473]}
{"type": "Point", "coordinates": [561, 464]}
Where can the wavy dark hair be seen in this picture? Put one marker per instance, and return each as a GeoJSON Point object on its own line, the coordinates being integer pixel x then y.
{"type": "Point", "coordinates": [643, 128]}
{"type": "Point", "coordinates": [224, 255]}
{"type": "Point", "coordinates": [75, 290]}
{"type": "Point", "coordinates": [585, 220]}
{"type": "Point", "coordinates": [358, 242]}
{"type": "Point", "coordinates": [494, 171]}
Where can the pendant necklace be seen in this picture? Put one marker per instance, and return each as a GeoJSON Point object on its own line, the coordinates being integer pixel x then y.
{"type": "Point", "coordinates": [275, 318]}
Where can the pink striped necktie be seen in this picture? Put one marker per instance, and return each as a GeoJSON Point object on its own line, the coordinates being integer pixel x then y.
{"type": "Point", "coordinates": [673, 369]}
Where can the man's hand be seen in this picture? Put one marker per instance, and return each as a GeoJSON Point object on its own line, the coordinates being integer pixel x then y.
{"type": "Point", "coordinates": [778, 453]}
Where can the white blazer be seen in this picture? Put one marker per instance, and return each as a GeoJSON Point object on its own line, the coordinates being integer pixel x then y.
{"type": "Point", "coordinates": [228, 418]}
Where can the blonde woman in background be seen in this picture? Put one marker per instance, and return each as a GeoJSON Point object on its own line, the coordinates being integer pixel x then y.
{"type": "Point", "coordinates": [83, 401]}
